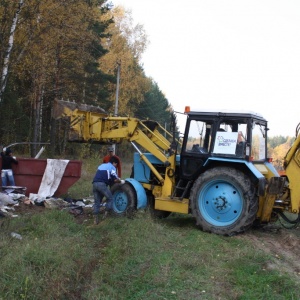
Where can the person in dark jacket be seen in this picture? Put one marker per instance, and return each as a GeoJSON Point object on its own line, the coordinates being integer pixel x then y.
{"type": "Point", "coordinates": [105, 176]}
{"type": "Point", "coordinates": [7, 175]}
{"type": "Point", "coordinates": [111, 154]}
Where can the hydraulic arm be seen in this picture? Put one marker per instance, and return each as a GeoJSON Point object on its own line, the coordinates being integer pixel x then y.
{"type": "Point", "coordinates": [89, 123]}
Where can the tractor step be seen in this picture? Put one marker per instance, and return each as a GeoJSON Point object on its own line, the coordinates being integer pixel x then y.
{"type": "Point", "coordinates": [181, 186]}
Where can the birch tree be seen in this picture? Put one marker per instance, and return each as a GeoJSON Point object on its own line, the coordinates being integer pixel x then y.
{"type": "Point", "coordinates": [9, 49]}
{"type": "Point", "coordinates": [126, 46]}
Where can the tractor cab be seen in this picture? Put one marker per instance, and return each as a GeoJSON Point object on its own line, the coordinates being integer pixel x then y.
{"type": "Point", "coordinates": [221, 136]}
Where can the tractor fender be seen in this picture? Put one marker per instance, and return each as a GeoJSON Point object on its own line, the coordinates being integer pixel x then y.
{"type": "Point", "coordinates": [249, 165]}
{"type": "Point", "coordinates": [140, 192]}
{"type": "Point", "coordinates": [259, 176]}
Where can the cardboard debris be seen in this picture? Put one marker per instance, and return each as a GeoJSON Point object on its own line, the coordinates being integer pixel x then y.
{"type": "Point", "coordinates": [55, 203]}
{"type": "Point", "coordinates": [27, 201]}
{"type": "Point", "coordinates": [6, 199]}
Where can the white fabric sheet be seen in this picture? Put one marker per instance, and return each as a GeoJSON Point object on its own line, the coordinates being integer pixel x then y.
{"type": "Point", "coordinates": [52, 177]}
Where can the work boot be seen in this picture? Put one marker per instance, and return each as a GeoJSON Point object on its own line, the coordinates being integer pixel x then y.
{"type": "Point", "coordinates": [96, 219]}
{"type": "Point", "coordinates": [107, 213]}
{"type": "Point", "coordinates": [102, 207]}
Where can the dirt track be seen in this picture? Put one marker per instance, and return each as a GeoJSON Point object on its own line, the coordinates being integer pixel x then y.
{"type": "Point", "coordinates": [282, 244]}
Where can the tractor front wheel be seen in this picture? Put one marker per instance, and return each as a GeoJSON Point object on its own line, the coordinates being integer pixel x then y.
{"type": "Point", "coordinates": [124, 199]}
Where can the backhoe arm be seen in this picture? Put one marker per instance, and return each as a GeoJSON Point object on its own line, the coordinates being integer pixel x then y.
{"type": "Point", "coordinates": [292, 167]}
{"type": "Point", "coordinates": [89, 123]}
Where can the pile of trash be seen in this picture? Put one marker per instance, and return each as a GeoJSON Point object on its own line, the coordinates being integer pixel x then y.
{"type": "Point", "coordinates": [12, 197]}
{"type": "Point", "coordinates": [7, 202]}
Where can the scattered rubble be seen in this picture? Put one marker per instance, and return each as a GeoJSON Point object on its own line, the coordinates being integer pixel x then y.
{"type": "Point", "coordinates": [10, 202]}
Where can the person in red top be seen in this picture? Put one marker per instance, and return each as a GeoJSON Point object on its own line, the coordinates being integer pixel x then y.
{"type": "Point", "coordinates": [111, 154]}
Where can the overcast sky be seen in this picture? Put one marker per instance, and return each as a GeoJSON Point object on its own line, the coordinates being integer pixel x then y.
{"type": "Point", "coordinates": [230, 54]}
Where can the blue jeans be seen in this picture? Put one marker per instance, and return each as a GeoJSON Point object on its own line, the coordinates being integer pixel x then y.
{"type": "Point", "coordinates": [7, 175]}
{"type": "Point", "coordinates": [101, 190]}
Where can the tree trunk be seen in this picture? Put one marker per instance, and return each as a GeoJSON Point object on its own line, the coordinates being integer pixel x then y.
{"type": "Point", "coordinates": [56, 97]}
{"type": "Point", "coordinates": [37, 120]}
{"type": "Point", "coordinates": [8, 52]}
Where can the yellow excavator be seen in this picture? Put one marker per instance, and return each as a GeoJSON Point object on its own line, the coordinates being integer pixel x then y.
{"type": "Point", "coordinates": [218, 172]}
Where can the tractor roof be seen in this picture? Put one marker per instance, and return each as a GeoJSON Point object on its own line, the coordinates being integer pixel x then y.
{"type": "Point", "coordinates": [227, 113]}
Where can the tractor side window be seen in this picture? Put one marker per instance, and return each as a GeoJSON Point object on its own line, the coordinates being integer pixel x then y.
{"type": "Point", "coordinates": [258, 151]}
{"type": "Point", "coordinates": [242, 132]}
{"type": "Point", "coordinates": [241, 148]}
{"type": "Point", "coordinates": [199, 137]}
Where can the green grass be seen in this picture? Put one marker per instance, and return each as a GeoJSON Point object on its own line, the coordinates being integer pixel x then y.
{"type": "Point", "coordinates": [131, 259]}
{"type": "Point", "coordinates": [138, 258]}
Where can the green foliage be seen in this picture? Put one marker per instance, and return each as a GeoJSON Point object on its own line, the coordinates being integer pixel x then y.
{"type": "Point", "coordinates": [277, 140]}
{"type": "Point", "coordinates": [69, 50]}
{"type": "Point", "coordinates": [126, 44]}
{"type": "Point", "coordinates": [155, 106]}
{"type": "Point", "coordinates": [14, 121]}
{"type": "Point", "coordinates": [55, 54]}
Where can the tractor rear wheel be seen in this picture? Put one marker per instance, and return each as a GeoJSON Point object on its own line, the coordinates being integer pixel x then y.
{"type": "Point", "coordinates": [223, 201]}
{"type": "Point", "coordinates": [124, 199]}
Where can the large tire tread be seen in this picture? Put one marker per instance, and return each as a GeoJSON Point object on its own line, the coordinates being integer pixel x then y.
{"type": "Point", "coordinates": [125, 190]}
{"type": "Point", "coordinates": [237, 178]}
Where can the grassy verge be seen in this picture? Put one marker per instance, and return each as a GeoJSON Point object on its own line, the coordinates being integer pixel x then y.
{"type": "Point", "coordinates": [139, 258]}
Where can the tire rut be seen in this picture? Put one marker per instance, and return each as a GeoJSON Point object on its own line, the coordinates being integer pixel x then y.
{"type": "Point", "coordinates": [282, 244]}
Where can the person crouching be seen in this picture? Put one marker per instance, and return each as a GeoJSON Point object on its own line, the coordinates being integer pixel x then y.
{"type": "Point", "coordinates": [105, 176]}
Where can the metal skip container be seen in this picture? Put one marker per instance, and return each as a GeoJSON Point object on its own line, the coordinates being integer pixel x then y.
{"type": "Point", "coordinates": [30, 171]}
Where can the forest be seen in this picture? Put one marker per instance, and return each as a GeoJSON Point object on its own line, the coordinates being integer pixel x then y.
{"type": "Point", "coordinates": [76, 50]}
{"type": "Point", "coordinates": [87, 51]}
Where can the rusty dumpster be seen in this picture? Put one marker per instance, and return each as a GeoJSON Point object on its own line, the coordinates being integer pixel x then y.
{"type": "Point", "coordinates": [29, 173]}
